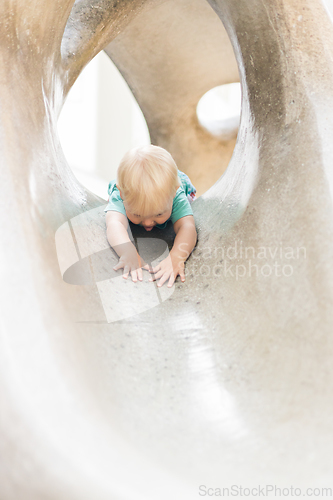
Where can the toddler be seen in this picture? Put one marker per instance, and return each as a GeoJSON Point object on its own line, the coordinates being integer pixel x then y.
{"type": "Point", "coordinates": [150, 191]}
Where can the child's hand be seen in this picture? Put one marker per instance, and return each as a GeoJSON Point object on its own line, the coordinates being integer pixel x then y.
{"type": "Point", "coordinates": [168, 269]}
{"type": "Point", "coordinates": [132, 263]}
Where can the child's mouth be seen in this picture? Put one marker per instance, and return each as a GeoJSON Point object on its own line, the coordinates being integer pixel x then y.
{"type": "Point", "coordinates": [148, 228]}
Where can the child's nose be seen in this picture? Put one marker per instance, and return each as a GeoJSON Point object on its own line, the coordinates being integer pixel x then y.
{"type": "Point", "coordinates": [148, 222]}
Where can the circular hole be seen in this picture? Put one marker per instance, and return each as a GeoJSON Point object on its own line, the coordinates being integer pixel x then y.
{"type": "Point", "coordinates": [218, 111]}
{"type": "Point", "coordinates": [99, 122]}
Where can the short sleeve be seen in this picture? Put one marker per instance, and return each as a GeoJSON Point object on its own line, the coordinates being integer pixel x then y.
{"type": "Point", "coordinates": [181, 206]}
{"type": "Point", "coordinates": [186, 183]}
{"type": "Point", "coordinates": [115, 202]}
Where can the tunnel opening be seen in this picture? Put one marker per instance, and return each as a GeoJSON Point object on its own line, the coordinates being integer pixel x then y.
{"type": "Point", "coordinates": [219, 109]}
{"type": "Point", "coordinates": [173, 82]}
{"type": "Point", "coordinates": [98, 123]}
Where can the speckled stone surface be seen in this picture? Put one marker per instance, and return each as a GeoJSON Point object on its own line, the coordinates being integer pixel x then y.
{"type": "Point", "coordinates": [223, 380]}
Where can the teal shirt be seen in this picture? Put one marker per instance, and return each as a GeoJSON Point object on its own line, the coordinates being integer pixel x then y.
{"type": "Point", "coordinates": [180, 207]}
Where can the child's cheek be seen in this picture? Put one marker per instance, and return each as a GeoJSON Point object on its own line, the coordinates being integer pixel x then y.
{"type": "Point", "coordinates": [169, 215]}
{"type": "Point", "coordinates": [135, 220]}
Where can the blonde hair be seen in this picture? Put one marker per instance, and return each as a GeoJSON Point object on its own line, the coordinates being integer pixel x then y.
{"type": "Point", "coordinates": [147, 177]}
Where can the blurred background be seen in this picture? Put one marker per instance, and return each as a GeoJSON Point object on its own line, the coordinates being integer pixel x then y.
{"type": "Point", "coordinates": [101, 120]}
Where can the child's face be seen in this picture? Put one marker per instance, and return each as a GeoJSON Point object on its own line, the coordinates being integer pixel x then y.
{"type": "Point", "coordinates": [148, 222]}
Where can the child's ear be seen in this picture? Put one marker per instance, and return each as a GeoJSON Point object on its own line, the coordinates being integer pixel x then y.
{"type": "Point", "coordinates": [119, 191]}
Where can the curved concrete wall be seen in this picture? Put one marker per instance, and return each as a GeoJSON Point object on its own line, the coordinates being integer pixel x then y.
{"type": "Point", "coordinates": [228, 379]}
{"type": "Point", "coordinates": [169, 67]}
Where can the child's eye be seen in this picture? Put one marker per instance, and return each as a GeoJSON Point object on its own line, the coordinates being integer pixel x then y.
{"type": "Point", "coordinates": [159, 215]}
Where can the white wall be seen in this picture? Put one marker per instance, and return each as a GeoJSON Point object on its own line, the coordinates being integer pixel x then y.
{"type": "Point", "coordinates": [100, 121]}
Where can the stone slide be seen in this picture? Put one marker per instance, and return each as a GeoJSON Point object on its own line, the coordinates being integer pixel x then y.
{"type": "Point", "coordinates": [114, 390]}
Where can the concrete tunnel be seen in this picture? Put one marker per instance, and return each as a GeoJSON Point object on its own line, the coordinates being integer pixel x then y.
{"type": "Point", "coordinates": [224, 381]}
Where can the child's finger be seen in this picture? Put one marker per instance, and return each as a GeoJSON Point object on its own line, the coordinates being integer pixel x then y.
{"type": "Point", "coordinates": [171, 280]}
{"type": "Point", "coordinates": [141, 261]}
{"type": "Point", "coordinates": [156, 268]}
{"type": "Point", "coordinates": [125, 273]}
{"type": "Point", "coordinates": [139, 272]}
{"type": "Point", "coordinates": [163, 279]}
{"type": "Point", "coordinates": [182, 275]}
{"type": "Point", "coordinates": [118, 266]}
{"type": "Point", "coordinates": [134, 276]}
{"type": "Point", "coordinates": [147, 267]}
{"type": "Point", "coordinates": [156, 276]}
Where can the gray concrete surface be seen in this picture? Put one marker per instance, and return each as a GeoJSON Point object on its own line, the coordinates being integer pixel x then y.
{"type": "Point", "coordinates": [226, 380]}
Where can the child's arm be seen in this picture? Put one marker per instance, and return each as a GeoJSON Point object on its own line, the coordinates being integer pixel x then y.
{"type": "Point", "coordinates": [129, 259]}
{"type": "Point", "coordinates": [174, 264]}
